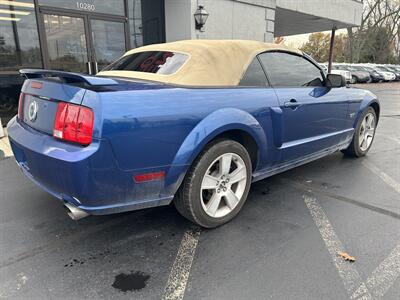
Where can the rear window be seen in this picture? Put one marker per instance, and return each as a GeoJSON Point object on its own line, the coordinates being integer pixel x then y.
{"type": "Point", "coordinates": [157, 62]}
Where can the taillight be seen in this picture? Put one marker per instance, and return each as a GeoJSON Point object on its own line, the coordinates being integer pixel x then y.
{"type": "Point", "coordinates": [21, 106]}
{"type": "Point", "coordinates": [73, 123]}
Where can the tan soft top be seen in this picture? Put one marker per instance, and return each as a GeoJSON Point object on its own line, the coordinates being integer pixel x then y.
{"type": "Point", "coordinates": [210, 63]}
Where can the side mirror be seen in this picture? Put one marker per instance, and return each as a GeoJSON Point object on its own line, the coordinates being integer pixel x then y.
{"type": "Point", "coordinates": [335, 80]}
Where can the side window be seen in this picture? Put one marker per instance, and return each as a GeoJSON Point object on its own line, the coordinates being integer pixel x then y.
{"type": "Point", "coordinates": [254, 75]}
{"type": "Point", "coordinates": [284, 69]}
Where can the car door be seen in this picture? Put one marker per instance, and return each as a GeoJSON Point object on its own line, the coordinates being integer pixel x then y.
{"type": "Point", "coordinates": [313, 115]}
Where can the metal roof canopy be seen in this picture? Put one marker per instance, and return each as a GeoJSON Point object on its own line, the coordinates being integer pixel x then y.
{"type": "Point", "coordinates": [290, 22]}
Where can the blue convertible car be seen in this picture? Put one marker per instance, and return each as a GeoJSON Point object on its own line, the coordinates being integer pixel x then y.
{"type": "Point", "coordinates": [189, 122]}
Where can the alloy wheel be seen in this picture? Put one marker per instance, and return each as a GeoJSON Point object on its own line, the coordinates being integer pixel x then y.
{"type": "Point", "coordinates": [223, 185]}
{"type": "Point", "coordinates": [367, 131]}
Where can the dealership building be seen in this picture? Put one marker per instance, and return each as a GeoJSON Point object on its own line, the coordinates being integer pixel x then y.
{"type": "Point", "coordinates": [85, 35]}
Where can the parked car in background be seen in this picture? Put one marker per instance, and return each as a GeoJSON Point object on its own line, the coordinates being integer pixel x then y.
{"type": "Point", "coordinates": [190, 122]}
{"type": "Point", "coordinates": [357, 76]}
{"type": "Point", "coordinates": [345, 73]}
{"type": "Point", "coordinates": [324, 68]}
{"type": "Point", "coordinates": [387, 75]}
{"type": "Point", "coordinates": [373, 74]}
{"type": "Point", "coordinates": [393, 69]}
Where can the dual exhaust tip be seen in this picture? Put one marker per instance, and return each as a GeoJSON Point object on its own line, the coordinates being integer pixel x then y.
{"type": "Point", "coordinates": [75, 213]}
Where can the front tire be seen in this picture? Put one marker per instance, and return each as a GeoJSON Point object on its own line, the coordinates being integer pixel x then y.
{"type": "Point", "coordinates": [363, 135]}
{"type": "Point", "coordinates": [216, 186]}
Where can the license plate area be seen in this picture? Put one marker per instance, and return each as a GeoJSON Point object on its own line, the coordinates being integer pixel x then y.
{"type": "Point", "coordinates": [39, 113]}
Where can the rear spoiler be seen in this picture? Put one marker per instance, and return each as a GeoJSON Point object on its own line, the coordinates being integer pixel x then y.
{"type": "Point", "coordinates": [67, 77]}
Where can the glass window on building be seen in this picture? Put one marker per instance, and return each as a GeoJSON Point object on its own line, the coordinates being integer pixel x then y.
{"type": "Point", "coordinates": [108, 41]}
{"type": "Point", "coordinates": [114, 7]}
{"type": "Point", "coordinates": [19, 48]}
{"type": "Point", "coordinates": [135, 23]}
{"type": "Point", "coordinates": [19, 41]}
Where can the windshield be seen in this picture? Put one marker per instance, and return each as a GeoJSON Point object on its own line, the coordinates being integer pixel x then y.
{"type": "Point", "coordinates": [158, 62]}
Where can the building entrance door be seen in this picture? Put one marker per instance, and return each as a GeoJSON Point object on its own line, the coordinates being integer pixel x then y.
{"type": "Point", "coordinates": [80, 42]}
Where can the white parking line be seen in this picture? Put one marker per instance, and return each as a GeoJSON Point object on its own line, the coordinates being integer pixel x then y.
{"type": "Point", "coordinates": [5, 147]}
{"type": "Point", "coordinates": [380, 280]}
{"type": "Point", "coordinates": [383, 277]}
{"type": "Point", "coordinates": [179, 275]}
{"type": "Point", "coordinates": [350, 276]}
{"type": "Point", "coordinates": [382, 175]}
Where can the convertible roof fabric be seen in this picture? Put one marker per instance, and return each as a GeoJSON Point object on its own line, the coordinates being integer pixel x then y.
{"type": "Point", "coordinates": [210, 63]}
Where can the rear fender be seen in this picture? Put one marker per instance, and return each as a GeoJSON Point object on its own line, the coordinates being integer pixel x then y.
{"type": "Point", "coordinates": [210, 127]}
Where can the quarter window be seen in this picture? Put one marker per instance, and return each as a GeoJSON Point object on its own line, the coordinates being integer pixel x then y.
{"type": "Point", "coordinates": [289, 70]}
{"type": "Point", "coordinates": [254, 75]}
{"type": "Point", "coordinates": [160, 62]}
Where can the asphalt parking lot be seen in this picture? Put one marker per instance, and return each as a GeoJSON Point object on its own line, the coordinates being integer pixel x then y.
{"type": "Point", "coordinates": [283, 245]}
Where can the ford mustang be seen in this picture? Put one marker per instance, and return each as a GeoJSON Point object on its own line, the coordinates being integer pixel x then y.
{"type": "Point", "coordinates": [192, 123]}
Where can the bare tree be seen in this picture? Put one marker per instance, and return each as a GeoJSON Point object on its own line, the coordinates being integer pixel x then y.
{"type": "Point", "coordinates": [377, 14]}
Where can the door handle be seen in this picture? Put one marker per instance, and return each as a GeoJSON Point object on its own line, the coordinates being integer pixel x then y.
{"type": "Point", "coordinates": [293, 104]}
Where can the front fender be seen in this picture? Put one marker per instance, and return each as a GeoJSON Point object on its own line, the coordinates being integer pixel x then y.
{"type": "Point", "coordinates": [214, 124]}
{"type": "Point", "coordinates": [369, 99]}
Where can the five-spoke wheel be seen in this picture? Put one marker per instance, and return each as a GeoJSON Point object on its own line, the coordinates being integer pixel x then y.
{"type": "Point", "coordinates": [223, 185]}
{"type": "Point", "coordinates": [367, 131]}
{"type": "Point", "coordinates": [364, 134]}
{"type": "Point", "coordinates": [216, 186]}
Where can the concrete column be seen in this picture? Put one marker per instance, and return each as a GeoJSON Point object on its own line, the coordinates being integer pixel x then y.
{"type": "Point", "coordinates": [270, 30]}
{"type": "Point", "coordinates": [179, 20]}
{"type": "Point", "coordinates": [228, 19]}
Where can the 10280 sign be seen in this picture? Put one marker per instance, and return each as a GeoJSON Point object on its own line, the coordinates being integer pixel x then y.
{"type": "Point", "coordinates": [85, 6]}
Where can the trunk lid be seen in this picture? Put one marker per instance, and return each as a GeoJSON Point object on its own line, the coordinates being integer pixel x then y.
{"type": "Point", "coordinates": [43, 89]}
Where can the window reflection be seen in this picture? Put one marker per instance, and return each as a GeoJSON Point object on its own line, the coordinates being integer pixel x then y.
{"type": "Point", "coordinates": [135, 22]}
{"type": "Point", "coordinates": [19, 48]}
{"type": "Point", "coordinates": [19, 42]}
{"type": "Point", "coordinates": [66, 43]}
{"type": "Point", "coordinates": [108, 41]}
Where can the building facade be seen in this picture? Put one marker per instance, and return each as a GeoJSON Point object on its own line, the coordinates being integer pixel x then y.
{"type": "Point", "coordinates": [85, 35]}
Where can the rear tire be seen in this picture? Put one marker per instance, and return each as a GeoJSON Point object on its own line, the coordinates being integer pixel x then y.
{"type": "Point", "coordinates": [363, 135]}
{"type": "Point", "coordinates": [216, 185]}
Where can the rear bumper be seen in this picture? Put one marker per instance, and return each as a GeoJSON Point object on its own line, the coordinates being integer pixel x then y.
{"type": "Point", "coordinates": [87, 177]}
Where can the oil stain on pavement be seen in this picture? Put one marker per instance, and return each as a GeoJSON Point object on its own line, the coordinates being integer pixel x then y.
{"type": "Point", "coordinates": [130, 282]}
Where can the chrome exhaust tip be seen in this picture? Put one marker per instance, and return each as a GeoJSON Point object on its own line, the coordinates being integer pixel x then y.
{"type": "Point", "coordinates": [75, 213]}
